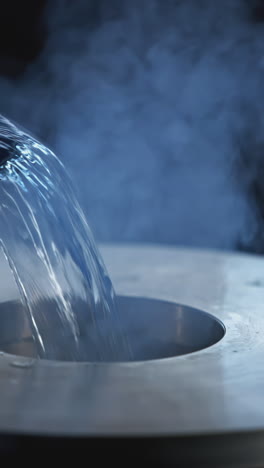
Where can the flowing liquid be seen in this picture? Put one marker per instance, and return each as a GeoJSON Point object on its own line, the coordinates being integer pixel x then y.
{"type": "Point", "coordinates": [66, 291]}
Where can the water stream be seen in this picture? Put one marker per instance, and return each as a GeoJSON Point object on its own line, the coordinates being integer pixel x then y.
{"type": "Point", "coordinates": [64, 285]}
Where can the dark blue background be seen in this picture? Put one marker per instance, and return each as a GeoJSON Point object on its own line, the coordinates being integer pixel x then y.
{"type": "Point", "coordinates": [155, 107]}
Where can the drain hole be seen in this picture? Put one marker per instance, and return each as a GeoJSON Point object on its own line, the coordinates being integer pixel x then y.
{"type": "Point", "coordinates": [155, 329]}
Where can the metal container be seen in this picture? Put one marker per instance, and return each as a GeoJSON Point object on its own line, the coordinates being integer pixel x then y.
{"type": "Point", "coordinates": [201, 408]}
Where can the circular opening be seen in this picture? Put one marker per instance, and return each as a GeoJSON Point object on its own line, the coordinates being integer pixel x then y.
{"type": "Point", "coordinates": [155, 329]}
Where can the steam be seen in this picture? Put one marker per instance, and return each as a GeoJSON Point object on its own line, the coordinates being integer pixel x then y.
{"type": "Point", "coordinates": [149, 104]}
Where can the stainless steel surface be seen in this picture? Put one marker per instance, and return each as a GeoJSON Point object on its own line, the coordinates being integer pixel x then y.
{"type": "Point", "coordinates": [154, 329]}
{"type": "Point", "coordinates": [217, 391]}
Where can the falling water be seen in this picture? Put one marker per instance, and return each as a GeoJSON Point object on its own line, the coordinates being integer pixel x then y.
{"type": "Point", "coordinates": [65, 289]}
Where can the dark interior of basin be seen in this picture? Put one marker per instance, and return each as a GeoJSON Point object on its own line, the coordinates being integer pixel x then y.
{"type": "Point", "coordinates": [155, 329]}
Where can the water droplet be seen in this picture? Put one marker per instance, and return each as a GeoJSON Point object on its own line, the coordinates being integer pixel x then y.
{"type": "Point", "coordinates": [23, 364]}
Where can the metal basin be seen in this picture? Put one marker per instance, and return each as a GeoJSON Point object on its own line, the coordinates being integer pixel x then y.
{"type": "Point", "coordinates": [200, 409]}
{"type": "Point", "coordinates": [155, 329]}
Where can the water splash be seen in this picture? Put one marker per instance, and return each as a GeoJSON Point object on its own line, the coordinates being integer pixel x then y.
{"type": "Point", "coordinates": [64, 284]}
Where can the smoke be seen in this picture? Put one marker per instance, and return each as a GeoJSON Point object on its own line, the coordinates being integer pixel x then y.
{"type": "Point", "coordinates": [150, 104]}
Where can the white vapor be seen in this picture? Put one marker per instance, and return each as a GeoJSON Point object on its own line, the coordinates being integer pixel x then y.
{"type": "Point", "coordinates": [148, 108]}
